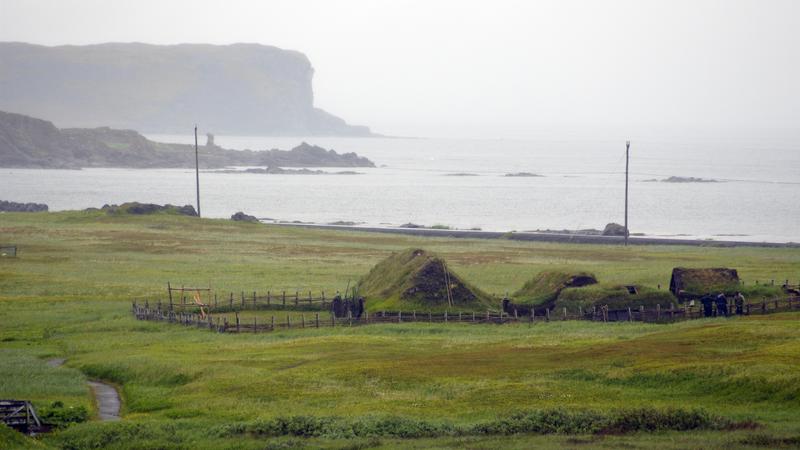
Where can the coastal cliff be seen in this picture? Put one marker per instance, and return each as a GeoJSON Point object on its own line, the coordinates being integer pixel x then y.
{"type": "Point", "coordinates": [233, 89]}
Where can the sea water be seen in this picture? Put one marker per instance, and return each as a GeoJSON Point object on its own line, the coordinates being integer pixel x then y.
{"type": "Point", "coordinates": [462, 184]}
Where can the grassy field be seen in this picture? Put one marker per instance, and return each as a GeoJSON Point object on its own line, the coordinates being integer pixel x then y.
{"type": "Point", "coordinates": [417, 385]}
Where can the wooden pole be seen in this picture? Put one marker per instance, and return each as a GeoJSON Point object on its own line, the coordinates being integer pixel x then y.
{"type": "Point", "coordinates": [197, 170]}
{"type": "Point", "coordinates": [627, 161]}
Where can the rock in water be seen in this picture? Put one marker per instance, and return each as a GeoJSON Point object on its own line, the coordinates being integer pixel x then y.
{"type": "Point", "coordinates": [614, 229]}
{"type": "Point", "coordinates": [242, 217]}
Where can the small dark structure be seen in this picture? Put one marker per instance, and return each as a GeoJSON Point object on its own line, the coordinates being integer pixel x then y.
{"type": "Point", "coordinates": [19, 415]}
{"type": "Point", "coordinates": [689, 284]}
{"type": "Point", "coordinates": [347, 307]}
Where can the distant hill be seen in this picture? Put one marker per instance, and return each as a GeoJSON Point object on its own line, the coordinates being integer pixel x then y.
{"type": "Point", "coordinates": [232, 89]}
{"type": "Point", "coordinates": [35, 143]}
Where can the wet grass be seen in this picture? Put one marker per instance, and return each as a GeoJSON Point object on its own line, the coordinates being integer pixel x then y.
{"type": "Point", "coordinates": [68, 293]}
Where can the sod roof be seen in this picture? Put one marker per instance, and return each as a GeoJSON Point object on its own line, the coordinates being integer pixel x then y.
{"type": "Point", "coordinates": [418, 280]}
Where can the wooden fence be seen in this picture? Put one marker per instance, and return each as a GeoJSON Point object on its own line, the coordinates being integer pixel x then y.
{"type": "Point", "coordinates": [252, 300]}
{"type": "Point", "coordinates": [213, 322]}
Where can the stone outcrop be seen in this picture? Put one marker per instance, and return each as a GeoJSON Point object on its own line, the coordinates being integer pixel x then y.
{"type": "Point", "coordinates": [35, 143]}
{"type": "Point", "coordinates": [6, 206]}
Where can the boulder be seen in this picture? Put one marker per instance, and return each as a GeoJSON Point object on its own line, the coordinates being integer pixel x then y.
{"type": "Point", "coordinates": [242, 217]}
{"type": "Point", "coordinates": [614, 229]}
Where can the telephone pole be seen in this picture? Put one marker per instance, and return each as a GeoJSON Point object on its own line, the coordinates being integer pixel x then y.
{"type": "Point", "coordinates": [197, 170]}
{"type": "Point", "coordinates": [627, 161]}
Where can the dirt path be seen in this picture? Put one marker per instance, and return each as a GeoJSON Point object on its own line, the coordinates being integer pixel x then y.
{"type": "Point", "coordinates": [107, 400]}
{"type": "Point", "coordinates": [105, 395]}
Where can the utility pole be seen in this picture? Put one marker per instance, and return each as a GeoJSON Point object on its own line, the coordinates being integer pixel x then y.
{"type": "Point", "coordinates": [627, 161]}
{"type": "Point", "coordinates": [197, 171]}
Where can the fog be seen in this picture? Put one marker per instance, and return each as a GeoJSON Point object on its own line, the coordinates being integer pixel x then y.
{"type": "Point", "coordinates": [492, 69]}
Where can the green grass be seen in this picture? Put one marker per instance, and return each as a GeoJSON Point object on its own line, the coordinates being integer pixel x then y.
{"type": "Point", "coordinates": [68, 295]}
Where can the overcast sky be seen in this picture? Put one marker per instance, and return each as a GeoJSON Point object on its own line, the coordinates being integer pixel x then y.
{"type": "Point", "coordinates": [494, 69]}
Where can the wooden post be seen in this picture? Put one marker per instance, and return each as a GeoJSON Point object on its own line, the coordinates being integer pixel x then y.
{"type": "Point", "coordinates": [630, 318]}
{"type": "Point", "coordinates": [231, 301]}
{"type": "Point", "coordinates": [658, 311]}
{"type": "Point", "coordinates": [272, 324]}
{"type": "Point", "coordinates": [215, 300]}
{"type": "Point", "coordinates": [547, 313]}
{"type": "Point", "coordinates": [350, 317]}
{"type": "Point", "coordinates": [288, 322]}
{"type": "Point", "coordinates": [309, 297]}
{"type": "Point", "coordinates": [473, 316]}
{"type": "Point", "coordinates": [641, 313]}
{"type": "Point", "coordinates": [517, 317]}
{"type": "Point", "coordinates": [169, 290]}
{"type": "Point", "coordinates": [580, 312]}
{"type": "Point", "coordinates": [296, 298]}
{"type": "Point", "coordinates": [255, 326]}
{"type": "Point", "coordinates": [565, 313]}
{"type": "Point", "coordinates": [317, 320]}
{"type": "Point", "coordinates": [459, 317]}
{"type": "Point", "coordinates": [366, 316]}
{"type": "Point", "coordinates": [445, 316]}
{"type": "Point", "coordinates": [269, 297]}
{"type": "Point", "coordinates": [399, 316]}
{"type": "Point", "coordinates": [283, 298]}
{"type": "Point", "coordinates": [672, 311]}
{"type": "Point", "coordinates": [414, 315]}
{"type": "Point", "coordinates": [237, 322]}
{"type": "Point", "coordinates": [254, 299]}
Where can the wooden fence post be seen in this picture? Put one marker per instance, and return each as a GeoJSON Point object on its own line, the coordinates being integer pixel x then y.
{"type": "Point", "coordinates": [641, 313]}
{"type": "Point", "coordinates": [565, 313]}
{"type": "Point", "coordinates": [296, 298]}
{"type": "Point", "coordinates": [283, 298]}
{"type": "Point", "coordinates": [269, 299]}
{"type": "Point", "coordinates": [255, 326]}
{"type": "Point", "coordinates": [288, 322]}
{"type": "Point", "coordinates": [366, 316]}
{"type": "Point", "coordinates": [350, 317]}
{"type": "Point", "coordinates": [445, 316]}
{"type": "Point", "coordinates": [231, 301]}
{"type": "Point", "coordinates": [399, 316]}
{"type": "Point", "coordinates": [629, 314]}
{"type": "Point", "coordinates": [272, 324]}
{"type": "Point", "coordinates": [547, 313]}
{"type": "Point", "coordinates": [317, 320]}
{"type": "Point", "coordinates": [215, 300]}
{"type": "Point", "coordinates": [237, 322]}
{"type": "Point", "coordinates": [414, 315]}
{"type": "Point", "coordinates": [254, 299]}
{"type": "Point", "coordinates": [487, 316]}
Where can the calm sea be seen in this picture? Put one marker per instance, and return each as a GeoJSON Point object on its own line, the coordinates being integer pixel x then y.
{"type": "Point", "coordinates": [582, 186]}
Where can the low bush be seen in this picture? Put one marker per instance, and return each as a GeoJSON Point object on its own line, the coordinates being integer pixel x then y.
{"type": "Point", "coordinates": [58, 416]}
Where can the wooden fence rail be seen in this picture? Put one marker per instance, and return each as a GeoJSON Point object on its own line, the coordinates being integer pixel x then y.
{"type": "Point", "coordinates": [210, 321]}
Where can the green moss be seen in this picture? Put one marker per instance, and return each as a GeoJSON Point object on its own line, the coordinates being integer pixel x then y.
{"type": "Point", "coordinates": [615, 297]}
{"type": "Point", "coordinates": [544, 288]}
{"type": "Point", "coordinates": [418, 280]}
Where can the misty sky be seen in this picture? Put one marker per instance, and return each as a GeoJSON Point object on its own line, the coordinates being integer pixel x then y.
{"type": "Point", "coordinates": [493, 69]}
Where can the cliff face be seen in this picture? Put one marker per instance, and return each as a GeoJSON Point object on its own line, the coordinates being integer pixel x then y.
{"type": "Point", "coordinates": [234, 89]}
{"type": "Point", "coordinates": [35, 143]}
